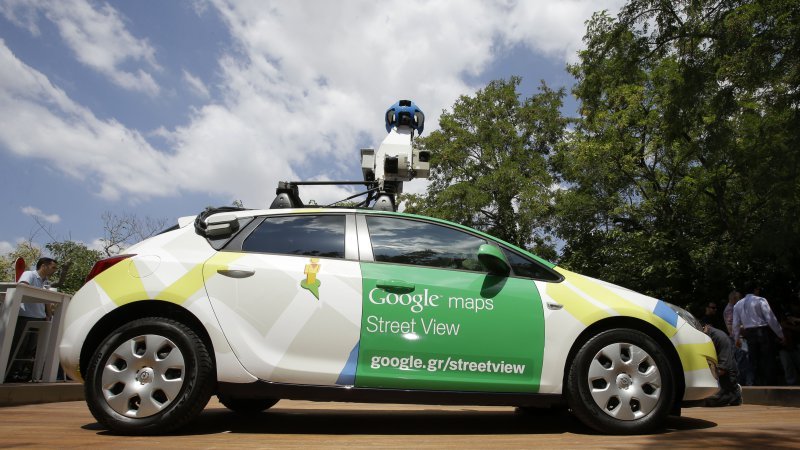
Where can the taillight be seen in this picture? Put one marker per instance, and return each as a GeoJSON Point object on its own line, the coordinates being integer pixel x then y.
{"type": "Point", "coordinates": [100, 266]}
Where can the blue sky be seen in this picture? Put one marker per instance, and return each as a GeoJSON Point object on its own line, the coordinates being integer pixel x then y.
{"type": "Point", "coordinates": [163, 108]}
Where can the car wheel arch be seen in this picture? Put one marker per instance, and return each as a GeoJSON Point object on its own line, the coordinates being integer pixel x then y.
{"type": "Point", "coordinates": [137, 310]}
{"type": "Point", "coordinates": [623, 322]}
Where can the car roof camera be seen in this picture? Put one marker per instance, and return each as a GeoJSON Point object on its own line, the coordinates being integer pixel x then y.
{"type": "Point", "coordinates": [384, 170]}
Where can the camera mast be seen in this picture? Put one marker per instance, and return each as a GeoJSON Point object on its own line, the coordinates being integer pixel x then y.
{"type": "Point", "coordinates": [384, 170]}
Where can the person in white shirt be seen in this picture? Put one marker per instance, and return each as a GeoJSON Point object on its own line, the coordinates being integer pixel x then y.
{"type": "Point", "coordinates": [733, 297]}
{"type": "Point", "coordinates": [754, 320]}
{"type": "Point", "coordinates": [45, 267]}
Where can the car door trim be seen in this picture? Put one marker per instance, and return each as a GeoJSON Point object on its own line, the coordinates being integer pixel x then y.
{"type": "Point", "coordinates": [364, 243]}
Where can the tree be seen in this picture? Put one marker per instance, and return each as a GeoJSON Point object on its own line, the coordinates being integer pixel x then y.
{"type": "Point", "coordinates": [73, 257]}
{"type": "Point", "coordinates": [123, 230]}
{"type": "Point", "coordinates": [76, 259]}
{"type": "Point", "coordinates": [27, 250]}
{"type": "Point", "coordinates": [489, 164]}
{"type": "Point", "coordinates": [683, 168]}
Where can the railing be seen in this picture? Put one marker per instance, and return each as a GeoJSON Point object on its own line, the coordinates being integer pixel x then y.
{"type": "Point", "coordinates": [11, 296]}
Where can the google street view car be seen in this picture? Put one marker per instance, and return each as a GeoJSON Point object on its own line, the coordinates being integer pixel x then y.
{"type": "Point", "coordinates": [359, 305]}
{"type": "Point", "coordinates": [368, 305]}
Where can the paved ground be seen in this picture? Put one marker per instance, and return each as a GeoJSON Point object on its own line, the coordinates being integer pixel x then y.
{"type": "Point", "coordinates": [298, 424]}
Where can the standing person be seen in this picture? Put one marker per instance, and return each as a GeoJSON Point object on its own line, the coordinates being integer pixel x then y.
{"type": "Point", "coordinates": [730, 393]}
{"type": "Point", "coordinates": [711, 316]}
{"type": "Point", "coordinates": [753, 319]}
{"type": "Point", "coordinates": [733, 297]}
{"type": "Point", "coordinates": [746, 376]}
{"type": "Point", "coordinates": [45, 267]}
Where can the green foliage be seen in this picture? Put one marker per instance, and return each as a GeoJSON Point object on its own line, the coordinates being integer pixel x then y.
{"type": "Point", "coordinates": [683, 169]}
{"type": "Point", "coordinates": [489, 164]}
{"type": "Point", "coordinates": [79, 260]}
{"type": "Point", "coordinates": [25, 249]}
{"type": "Point", "coordinates": [75, 256]}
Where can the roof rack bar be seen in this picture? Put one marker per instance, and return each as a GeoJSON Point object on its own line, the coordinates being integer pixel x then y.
{"type": "Point", "coordinates": [323, 183]}
{"type": "Point", "coordinates": [368, 191]}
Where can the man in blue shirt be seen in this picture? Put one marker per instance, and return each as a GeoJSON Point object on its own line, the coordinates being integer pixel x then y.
{"type": "Point", "coordinates": [39, 278]}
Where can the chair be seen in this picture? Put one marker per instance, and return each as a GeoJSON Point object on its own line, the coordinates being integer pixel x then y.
{"type": "Point", "coordinates": [19, 268]}
{"type": "Point", "coordinates": [34, 329]}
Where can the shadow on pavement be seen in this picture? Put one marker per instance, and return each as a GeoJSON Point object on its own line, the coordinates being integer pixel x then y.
{"type": "Point", "coordinates": [392, 422]}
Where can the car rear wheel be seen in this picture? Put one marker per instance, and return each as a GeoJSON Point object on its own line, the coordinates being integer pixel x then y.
{"type": "Point", "coordinates": [246, 405]}
{"type": "Point", "coordinates": [621, 382]}
{"type": "Point", "coordinates": [149, 376]}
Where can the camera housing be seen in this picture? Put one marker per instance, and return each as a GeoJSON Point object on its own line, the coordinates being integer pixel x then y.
{"type": "Point", "coordinates": [396, 161]}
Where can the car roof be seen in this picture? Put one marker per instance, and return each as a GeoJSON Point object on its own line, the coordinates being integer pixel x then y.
{"type": "Point", "coordinates": [245, 213]}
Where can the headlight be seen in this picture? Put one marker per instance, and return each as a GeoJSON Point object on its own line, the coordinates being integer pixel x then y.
{"type": "Point", "coordinates": [686, 315]}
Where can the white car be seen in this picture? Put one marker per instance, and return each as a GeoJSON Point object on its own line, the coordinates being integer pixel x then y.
{"type": "Point", "coordinates": [359, 305]}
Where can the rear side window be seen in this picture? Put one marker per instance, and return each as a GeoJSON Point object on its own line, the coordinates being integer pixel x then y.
{"type": "Point", "coordinates": [306, 235]}
{"type": "Point", "coordinates": [526, 268]}
{"type": "Point", "coordinates": [403, 241]}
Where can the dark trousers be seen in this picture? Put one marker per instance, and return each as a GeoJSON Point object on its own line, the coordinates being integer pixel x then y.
{"type": "Point", "coordinates": [728, 385]}
{"type": "Point", "coordinates": [761, 350]}
{"type": "Point", "coordinates": [729, 393]}
{"type": "Point", "coordinates": [746, 375]}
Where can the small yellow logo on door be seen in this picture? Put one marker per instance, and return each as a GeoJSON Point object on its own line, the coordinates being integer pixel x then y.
{"type": "Point", "coordinates": [311, 283]}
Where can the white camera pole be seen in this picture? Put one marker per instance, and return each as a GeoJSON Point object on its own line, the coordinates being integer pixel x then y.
{"type": "Point", "coordinates": [395, 162]}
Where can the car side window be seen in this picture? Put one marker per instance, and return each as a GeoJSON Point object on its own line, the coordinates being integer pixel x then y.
{"type": "Point", "coordinates": [524, 267]}
{"type": "Point", "coordinates": [307, 235]}
{"type": "Point", "coordinates": [404, 241]}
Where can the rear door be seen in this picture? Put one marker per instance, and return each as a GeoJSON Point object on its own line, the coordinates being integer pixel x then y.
{"type": "Point", "coordinates": [287, 293]}
{"type": "Point", "coordinates": [434, 319]}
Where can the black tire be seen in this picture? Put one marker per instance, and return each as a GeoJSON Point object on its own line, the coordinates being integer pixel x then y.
{"type": "Point", "coordinates": [620, 382]}
{"type": "Point", "coordinates": [246, 405]}
{"type": "Point", "coordinates": [149, 376]}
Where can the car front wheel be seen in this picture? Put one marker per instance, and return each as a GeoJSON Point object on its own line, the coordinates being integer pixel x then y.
{"type": "Point", "coordinates": [149, 376]}
{"type": "Point", "coordinates": [621, 382]}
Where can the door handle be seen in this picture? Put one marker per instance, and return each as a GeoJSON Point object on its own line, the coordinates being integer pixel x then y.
{"type": "Point", "coordinates": [236, 273]}
{"type": "Point", "coordinates": [395, 285]}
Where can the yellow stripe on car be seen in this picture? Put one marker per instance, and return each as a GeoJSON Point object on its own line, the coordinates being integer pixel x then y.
{"type": "Point", "coordinates": [696, 356]}
{"type": "Point", "coordinates": [603, 295]}
{"type": "Point", "coordinates": [122, 284]}
{"type": "Point", "coordinates": [577, 306]}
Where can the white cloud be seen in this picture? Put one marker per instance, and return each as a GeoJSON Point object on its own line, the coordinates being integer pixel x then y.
{"type": "Point", "coordinates": [38, 120]}
{"type": "Point", "coordinates": [196, 84]}
{"type": "Point", "coordinates": [98, 37]}
{"type": "Point", "coordinates": [312, 81]}
{"type": "Point", "coordinates": [306, 85]}
{"type": "Point", "coordinates": [20, 13]}
{"type": "Point", "coordinates": [37, 213]}
{"type": "Point", "coordinates": [554, 28]}
{"type": "Point", "coordinates": [97, 244]}
{"type": "Point", "coordinates": [6, 248]}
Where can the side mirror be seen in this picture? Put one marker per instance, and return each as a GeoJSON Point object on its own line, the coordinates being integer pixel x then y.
{"type": "Point", "coordinates": [493, 260]}
{"type": "Point", "coordinates": [221, 225]}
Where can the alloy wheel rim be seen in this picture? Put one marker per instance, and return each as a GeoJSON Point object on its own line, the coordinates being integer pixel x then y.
{"type": "Point", "coordinates": [143, 376]}
{"type": "Point", "coordinates": [624, 381]}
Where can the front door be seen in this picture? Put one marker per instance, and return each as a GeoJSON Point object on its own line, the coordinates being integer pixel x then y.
{"type": "Point", "coordinates": [434, 319]}
{"type": "Point", "coordinates": [289, 301]}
